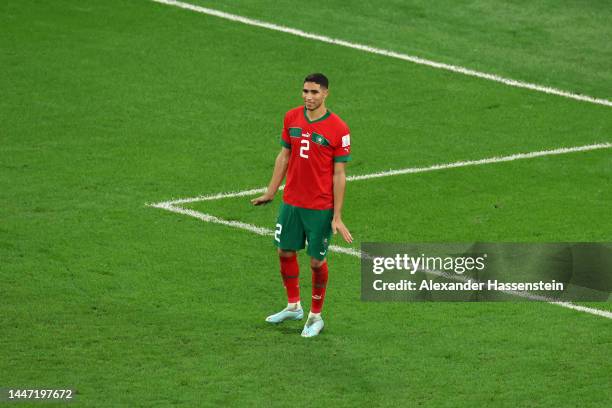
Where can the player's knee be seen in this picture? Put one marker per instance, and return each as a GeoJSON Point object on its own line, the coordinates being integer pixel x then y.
{"type": "Point", "coordinates": [315, 263]}
{"type": "Point", "coordinates": [286, 254]}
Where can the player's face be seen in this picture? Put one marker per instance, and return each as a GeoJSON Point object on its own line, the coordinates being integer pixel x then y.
{"type": "Point", "coordinates": [313, 95]}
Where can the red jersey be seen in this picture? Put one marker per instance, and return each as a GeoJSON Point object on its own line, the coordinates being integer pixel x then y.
{"type": "Point", "coordinates": [315, 146]}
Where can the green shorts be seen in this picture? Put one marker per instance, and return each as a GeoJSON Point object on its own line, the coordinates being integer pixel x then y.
{"type": "Point", "coordinates": [296, 225]}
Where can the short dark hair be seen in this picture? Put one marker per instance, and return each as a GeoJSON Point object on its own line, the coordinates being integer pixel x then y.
{"type": "Point", "coordinates": [318, 78]}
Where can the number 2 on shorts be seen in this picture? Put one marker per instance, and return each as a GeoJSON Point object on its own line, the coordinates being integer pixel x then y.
{"type": "Point", "coordinates": [277, 232]}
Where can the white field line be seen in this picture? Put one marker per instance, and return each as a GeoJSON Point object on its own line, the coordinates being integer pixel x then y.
{"type": "Point", "coordinates": [173, 206]}
{"type": "Point", "coordinates": [387, 53]}
{"type": "Point", "coordinates": [530, 296]}
{"type": "Point", "coordinates": [490, 160]}
{"type": "Point", "coordinates": [212, 219]}
{"type": "Point", "coordinates": [356, 253]}
{"type": "Point", "coordinates": [238, 224]}
{"type": "Point", "coordinates": [410, 170]}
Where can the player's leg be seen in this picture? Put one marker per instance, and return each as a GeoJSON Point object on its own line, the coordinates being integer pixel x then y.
{"type": "Point", "coordinates": [289, 237]}
{"type": "Point", "coordinates": [290, 272]}
{"type": "Point", "coordinates": [318, 231]}
{"type": "Point", "coordinates": [314, 323]}
{"type": "Point", "coordinates": [319, 285]}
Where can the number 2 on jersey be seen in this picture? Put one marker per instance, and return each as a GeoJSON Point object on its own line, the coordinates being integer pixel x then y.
{"type": "Point", "coordinates": [304, 148]}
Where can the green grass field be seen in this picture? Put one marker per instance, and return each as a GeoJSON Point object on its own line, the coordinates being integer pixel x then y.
{"type": "Point", "coordinates": [108, 106]}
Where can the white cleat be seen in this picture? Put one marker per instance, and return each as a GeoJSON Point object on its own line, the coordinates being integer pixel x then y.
{"type": "Point", "coordinates": [286, 314]}
{"type": "Point", "coordinates": [313, 327]}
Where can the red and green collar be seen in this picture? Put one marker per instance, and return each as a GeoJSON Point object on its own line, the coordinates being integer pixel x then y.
{"type": "Point", "coordinates": [316, 120]}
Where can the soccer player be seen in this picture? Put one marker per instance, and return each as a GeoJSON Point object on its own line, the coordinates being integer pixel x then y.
{"type": "Point", "coordinates": [316, 145]}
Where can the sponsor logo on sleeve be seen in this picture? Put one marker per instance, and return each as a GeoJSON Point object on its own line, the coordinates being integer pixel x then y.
{"type": "Point", "coordinates": [346, 140]}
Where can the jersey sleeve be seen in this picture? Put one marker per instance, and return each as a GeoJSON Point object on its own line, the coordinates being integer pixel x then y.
{"type": "Point", "coordinates": [342, 149]}
{"type": "Point", "coordinates": [285, 140]}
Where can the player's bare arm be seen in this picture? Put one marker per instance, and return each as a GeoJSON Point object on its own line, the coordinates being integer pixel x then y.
{"type": "Point", "coordinates": [339, 186]}
{"type": "Point", "coordinates": [278, 175]}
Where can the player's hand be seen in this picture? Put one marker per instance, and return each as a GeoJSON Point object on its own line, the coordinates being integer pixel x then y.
{"type": "Point", "coordinates": [338, 226]}
{"type": "Point", "coordinates": [264, 199]}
